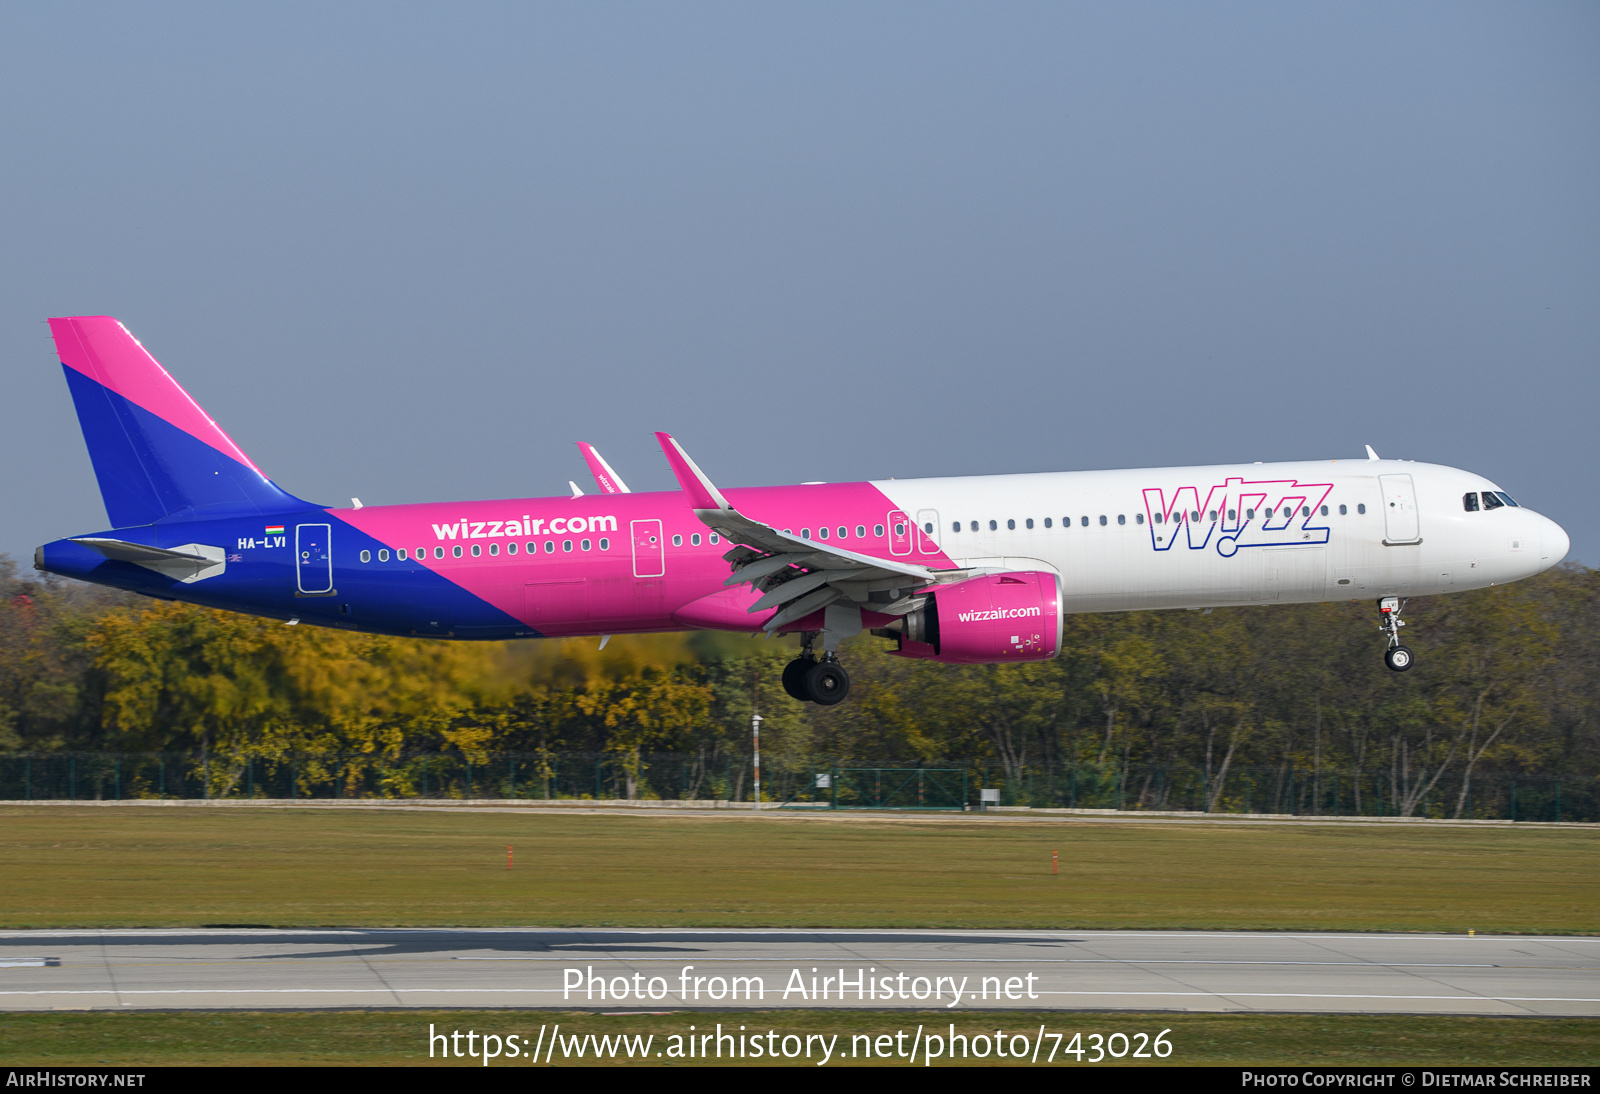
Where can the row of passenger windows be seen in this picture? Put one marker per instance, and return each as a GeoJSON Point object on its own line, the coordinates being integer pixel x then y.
{"type": "Point", "coordinates": [1138, 518]}
{"type": "Point", "coordinates": [1492, 499]}
{"type": "Point", "coordinates": [494, 549]}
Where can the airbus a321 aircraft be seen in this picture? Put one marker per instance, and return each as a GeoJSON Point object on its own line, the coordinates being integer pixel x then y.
{"type": "Point", "coordinates": [963, 570]}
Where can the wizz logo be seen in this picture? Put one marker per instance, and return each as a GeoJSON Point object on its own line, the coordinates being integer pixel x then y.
{"type": "Point", "coordinates": [1272, 513]}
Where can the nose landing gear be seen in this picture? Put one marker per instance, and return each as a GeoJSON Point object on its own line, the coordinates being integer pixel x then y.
{"type": "Point", "coordinates": [809, 680]}
{"type": "Point", "coordinates": [1398, 657]}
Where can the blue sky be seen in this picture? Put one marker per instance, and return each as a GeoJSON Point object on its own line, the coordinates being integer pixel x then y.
{"type": "Point", "coordinates": [413, 252]}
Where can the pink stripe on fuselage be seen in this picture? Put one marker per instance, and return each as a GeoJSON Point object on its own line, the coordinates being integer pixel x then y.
{"type": "Point", "coordinates": [101, 348]}
{"type": "Point", "coordinates": [618, 601]}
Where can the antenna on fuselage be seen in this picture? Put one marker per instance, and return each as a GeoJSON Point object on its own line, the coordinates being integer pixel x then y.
{"type": "Point", "coordinates": [1371, 455]}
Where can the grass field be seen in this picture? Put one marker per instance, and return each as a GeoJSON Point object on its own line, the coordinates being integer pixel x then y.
{"type": "Point", "coordinates": [400, 1037]}
{"type": "Point", "coordinates": [128, 867]}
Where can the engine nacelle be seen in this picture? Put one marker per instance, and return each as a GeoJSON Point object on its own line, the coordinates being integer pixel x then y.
{"type": "Point", "coordinates": [994, 619]}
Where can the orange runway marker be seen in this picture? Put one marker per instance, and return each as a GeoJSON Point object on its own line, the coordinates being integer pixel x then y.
{"type": "Point", "coordinates": [508, 856]}
{"type": "Point", "coordinates": [1055, 863]}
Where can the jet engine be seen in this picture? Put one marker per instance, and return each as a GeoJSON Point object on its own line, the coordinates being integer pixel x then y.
{"type": "Point", "coordinates": [993, 619]}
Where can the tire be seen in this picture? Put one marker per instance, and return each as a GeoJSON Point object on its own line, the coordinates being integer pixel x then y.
{"type": "Point", "coordinates": [827, 683]}
{"type": "Point", "coordinates": [794, 679]}
{"type": "Point", "coordinates": [1399, 658]}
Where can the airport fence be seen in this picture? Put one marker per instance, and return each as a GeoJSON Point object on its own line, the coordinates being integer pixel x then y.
{"type": "Point", "coordinates": [795, 783]}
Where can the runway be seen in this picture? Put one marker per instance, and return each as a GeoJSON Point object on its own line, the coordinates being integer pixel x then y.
{"type": "Point", "coordinates": [682, 969]}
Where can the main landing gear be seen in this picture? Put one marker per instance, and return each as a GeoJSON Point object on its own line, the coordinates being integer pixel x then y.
{"type": "Point", "coordinates": [809, 680]}
{"type": "Point", "coordinates": [1397, 657]}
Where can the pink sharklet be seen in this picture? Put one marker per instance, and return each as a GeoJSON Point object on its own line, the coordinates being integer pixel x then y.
{"type": "Point", "coordinates": [101, 348]}
{"type": "Point", "coordinates": [691, 588]}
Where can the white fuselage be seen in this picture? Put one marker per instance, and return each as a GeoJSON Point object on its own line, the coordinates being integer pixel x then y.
{"type": "Point", "coordinates": [1191, 537]}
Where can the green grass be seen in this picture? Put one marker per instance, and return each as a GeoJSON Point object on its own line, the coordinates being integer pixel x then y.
{"type": "Point", "coordinates": [127, 867]}
{"type": "Point", "coordinates": [400, 1037]}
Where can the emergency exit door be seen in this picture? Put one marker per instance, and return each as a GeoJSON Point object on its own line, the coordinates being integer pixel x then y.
{"type": "Point", "coordinates": [1400, 520]}
{"type": "Point", "coordinates": [313, 559]}
{"type": "Point", "coordinates": [649, 549]}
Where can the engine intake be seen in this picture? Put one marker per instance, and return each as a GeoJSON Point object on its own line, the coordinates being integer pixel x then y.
{"type": "Point", "coordinates": [994, 619]}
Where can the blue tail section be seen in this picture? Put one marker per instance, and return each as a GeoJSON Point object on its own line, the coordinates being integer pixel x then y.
{"type": "Point", "coordinates": [156, 454]}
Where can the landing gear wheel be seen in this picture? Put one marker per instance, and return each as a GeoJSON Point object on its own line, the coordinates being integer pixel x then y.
{"type": "Point", "coordinates": [1398, 658]}
{"type": "Point", "coordinates": [827, 683]}
{"type": "Point", "coordinates": [794, 678]}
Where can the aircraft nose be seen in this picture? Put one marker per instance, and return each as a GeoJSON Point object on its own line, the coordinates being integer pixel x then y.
{"type": "Point", "coordinates": [1554, 543]}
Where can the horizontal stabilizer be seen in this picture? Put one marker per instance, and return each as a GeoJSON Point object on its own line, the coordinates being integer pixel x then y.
{"type": "Point", "coordinates": [189, 563]}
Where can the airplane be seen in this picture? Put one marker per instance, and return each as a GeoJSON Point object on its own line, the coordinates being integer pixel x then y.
{"type": "Point", "coordinates": [971, 570]}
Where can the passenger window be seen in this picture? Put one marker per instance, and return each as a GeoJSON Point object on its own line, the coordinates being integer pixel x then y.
{"type": "Point", "coordinates": [550, 545]}
{"type": "Point", "coordinates": [677, 541]}
{"type": "Point", "coordinates": [1122, 518]}
{"type": "Point", "coordinates": [1249, 514]}
{"type": "Point", "coordinates": [694, 541]}
{"type": "Point", "coordinates": [994, 526]}
{"type": "Point", "coordinates": [438, 552]}
{"type": "Point", "coordinates": [1158, 519]}
{"type": "Point", "coordinates": [954, 527]}
{"type": "Point", "coordinates": [1195, 515]}
{"type": "Point", "coordinates": [1324, 510]}
{"type": "Point", "coordinates": [383, 555]}
{"type": "Point", "coordinates": [1047, 522]}
{"type": "Point", "coordinates": [456, 551]}
{"type": "Point", "coordinates": [805, 533]}
{"type": "Point", "coordinates": [1269, 514]}
{"type": "Point", "coordinates": [861, 531]}
{"type": "Point", "coordinates": [605, 545]}
{"type": "Point", "coordinates": [1491, 500]}
{"type": "Point", "coordinates": [1011, 526]}
{"type": "Point", "coordinates": [974, 526]}
{"type": "Point", "coordinates": [1213, 514]}
{"type": "Point", "coordinates": [566, 545]}
{"type": "Point", "coordinates": [586, 543]}
{"type": "Point", "coordinates": [1102, 520]}
{"type": "Point", "coordinates": [714, 539]}
{"type": "Point", "coordinates": [1233, 514]}
{"type": "Point", "coordinates": [533, 548]}
{"type": "Point", "coordinates": [822, 533]}
{"type": "Point", "coordinates": [844, 533]}
{"type": "Point", "coordinates": [1361, 507]}
{"type": "Point", "coordinates": [928, 528]}
{"type": "Point", "coordinates": [477, 551]}
{"type": "Point", "coordinates": [1085, 522]}
{"type": "Point", "coordinates": [877, 530]}
{"type": "Point", "coordinates": [366, 556]}
{"type": "Point", "coordinates": [1028, 522]}
{"type": "Point", "coordinates": [1343, 511]}
{"type": "Point", "coordinates": [511, 548]}
{"type": "Point", "coordinates": [1138, 518]}
{"type": "Point", "coordinates": [494, 548]}
{"type": "Point", "coordinates": [400, 553]}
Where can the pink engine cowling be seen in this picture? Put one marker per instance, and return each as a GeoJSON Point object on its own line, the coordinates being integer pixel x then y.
{"type": "Point", "coordinates": [994, 619]}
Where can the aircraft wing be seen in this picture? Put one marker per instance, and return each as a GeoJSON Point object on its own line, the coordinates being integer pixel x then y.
{"type": "Point", "coordinates": [797, 576]}
{"type": "Point", "coordinates": [608, 480]}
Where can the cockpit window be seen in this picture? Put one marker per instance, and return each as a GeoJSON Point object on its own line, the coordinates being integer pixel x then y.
{"type": "Point", "coordinates": [1491, 500]}
{"type": "Point", "coordinates": [1469, 501]}
{"type": "Point", "coordinates": [1505, 497]}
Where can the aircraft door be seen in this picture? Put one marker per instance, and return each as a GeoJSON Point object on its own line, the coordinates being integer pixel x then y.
{"type": "Point", "coordinates": [313, 559]}
{"type": "Point", "coordinates": [928, 531]}
{"type": "Point", "coordinates": [649, 549]}
{"type": "Point", "coordinates": [1400, 522]}
{"type": "Point", "coordinates": [900, 538]}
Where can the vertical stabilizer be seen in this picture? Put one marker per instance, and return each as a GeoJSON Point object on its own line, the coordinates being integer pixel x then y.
{"type": "Point", "coordinates": [156, 454]}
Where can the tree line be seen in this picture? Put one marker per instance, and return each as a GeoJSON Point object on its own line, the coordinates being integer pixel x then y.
{"type": "Point", "coordinates": [1507, 683]}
